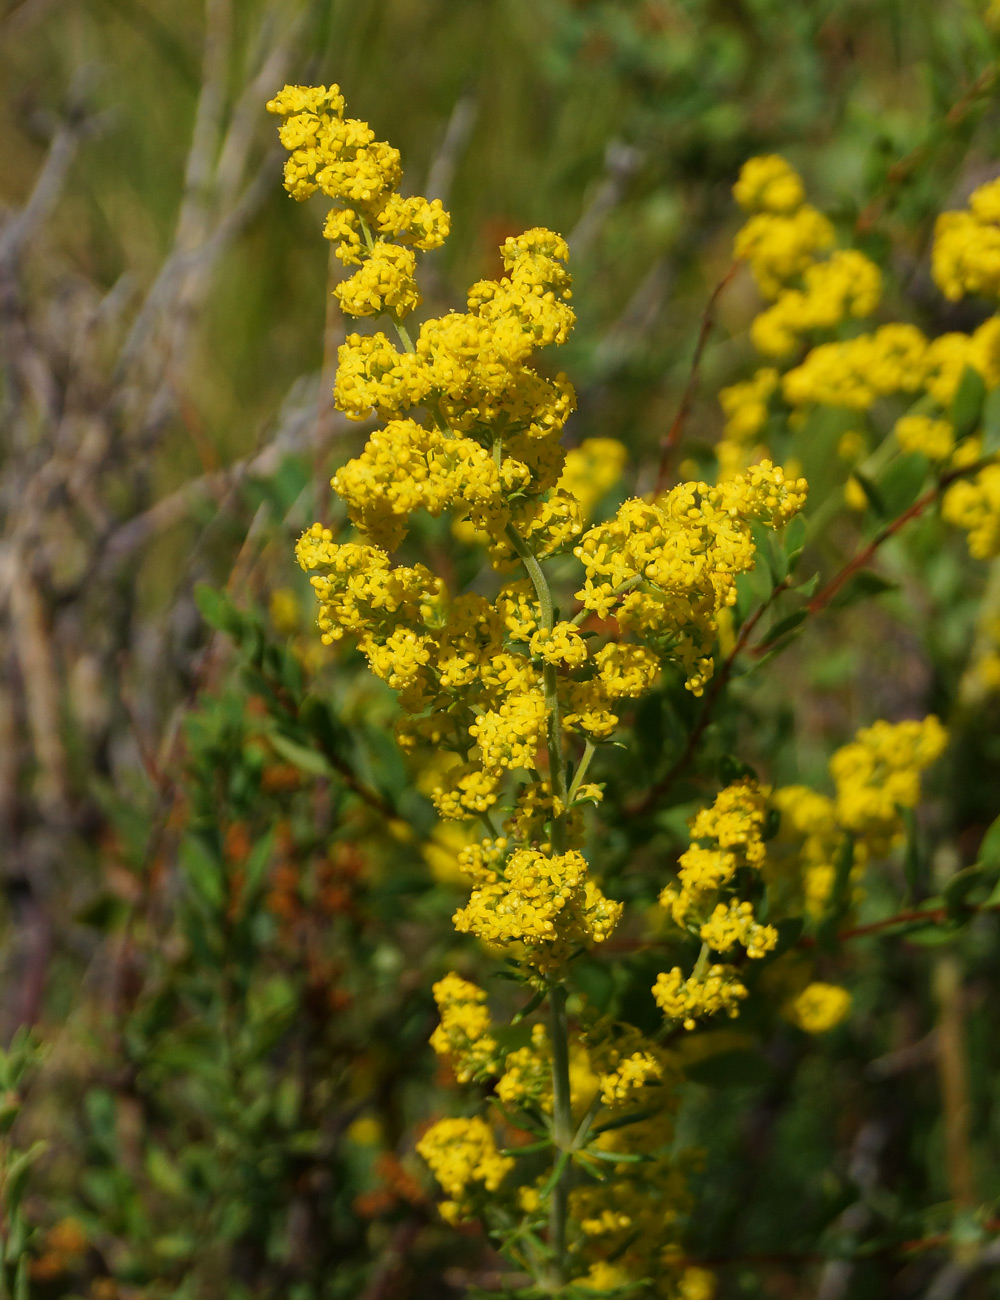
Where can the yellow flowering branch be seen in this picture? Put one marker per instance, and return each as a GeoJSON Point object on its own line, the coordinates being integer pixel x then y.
{"type": "Point", "coordinates": [484, 681]}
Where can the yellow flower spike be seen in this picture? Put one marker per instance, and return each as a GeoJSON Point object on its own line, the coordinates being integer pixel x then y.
{"type": "Point", "coordinates": [489, 687]}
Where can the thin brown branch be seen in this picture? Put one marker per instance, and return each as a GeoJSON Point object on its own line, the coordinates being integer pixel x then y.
{"type": "Point", "coordinates": [913, 1246]}
{"type": "Point", "coordinates": [900, 171]}
{"type": "Point", "coordinates": [826, 594]}
{"type": "Point", "coordinates": [673, 434]}
{"type": "Point", "coordinates": [934, 915]}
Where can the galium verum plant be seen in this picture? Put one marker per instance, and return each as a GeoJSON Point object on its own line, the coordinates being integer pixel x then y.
{"type": "Point", "coordinates": [511, 695]}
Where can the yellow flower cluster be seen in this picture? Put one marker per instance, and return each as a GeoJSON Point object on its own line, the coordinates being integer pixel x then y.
{"type": "Point", "coordinates": [966, 254]}
{"type": "Point", "coordinates": [933, 438]}
{"type": "Point", "coordinates": [462, 1152]}
{"type": "Point", "coordinates": [746, 407]}
{"type": "Point", "coordinates": [786, 243]}
{"type": "Point", "coordinates": [734, 923]}
{"type": "Point", "coordinates": [611, 1061]}
{"type": "Point", "coordinates": [628, 1215]}
{"type": "Point", "coordinates": [544, 901]}
{"type": "Point", "coordinates": [784, 233]}
{"type": "Point", "coordinates": [631, 1073]}
{"type": "Point", "coordinates": [875, 775]}
{"type": "Point", "coordinates": [527, 1076]}
{"type": "Point", "coordinates": [612, 1068]}
{"type": "Point", "coordinates": [341, 157]}
{"type": "Point", "coordinates": [718, 988]}
{"type": "Point", "coordinates": [727, 836]}
{"type": "Point", "coordinates": [879, 772]}
{"type": "Point", "coordinates": [665, 569]}
{"type": "Point", "coordinates": [463, 1036]}
{"type": "Point", "coordinates": [492, 427]}
{"type": "Point", "coordinates": [735, 823]}
{"type": "Point", "coordinates": [974, 505]}
{"type": "Point", "coordinates": [819, 1007]}
{"type": "Point", "coordinates": [895, 359]}
{"type": "Point", "coordinates": [506, 685]}
{"type": "Point", "coordinates": [768, 184]}
{"type": "Point", "coordinates": [848, 284]}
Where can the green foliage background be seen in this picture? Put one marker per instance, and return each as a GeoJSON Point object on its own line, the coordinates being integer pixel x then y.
{"type": "Point", "coordinates": [218, 921]}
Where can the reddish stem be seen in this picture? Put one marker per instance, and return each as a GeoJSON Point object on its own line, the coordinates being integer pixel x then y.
{"type": "Point", "coordinates": [672, 436]}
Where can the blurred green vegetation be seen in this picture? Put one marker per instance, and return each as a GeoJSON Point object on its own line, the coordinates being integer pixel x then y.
{"type": "Point", "coordinates": [219, 920]}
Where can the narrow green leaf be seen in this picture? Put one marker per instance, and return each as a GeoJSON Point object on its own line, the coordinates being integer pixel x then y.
{"type": "Point", "coordinates": [203, 871]}
{"type": "Point", "coordinates": [990, 428]}
{"type": "Point", "coordinates": [794, 540]}
{"type": "Point", "coordinates": [967, 404]}
{"type": "Point", "coordinates": [301, 756]}
{"type": "Point", "coordinates": [989, 850]}
{"type": "Point", "coordinates": [787, 624]}
{"type": "Point", "coordinates": [912, 862]}
{"type": "Point", "coordinates": [217, 609]}
{"type": "Point", "coordinates": [17, 1171]}
{"type": "Point", "coordinates": [900, 482]}
{"type": "Point", "coordinates": [956, 892]}
{"type": "Point", "coordinates": [529, 1007]}
{"type": "Point", "coordinates": [862, 586]}
{"type": "Point", "coordinates": [870, 489]}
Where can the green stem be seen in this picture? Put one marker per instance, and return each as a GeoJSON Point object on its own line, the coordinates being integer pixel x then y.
{"type": "Point", "coordinates": [583, 1131]}
{"type": "Point", "coordinates": [538, 580]}
{"type": "Point", "coordinates": [404, 336]}
{"type": "Point", "coordinates": [581, 615]}
{"type": "Point", "coordinates": [557, 764]}
{"type": "Point", "coordinates": [588, 753]}
{"type": "Point", "coordinates": [401, 330]}
{"type": "Point", "coordinates": [562, 1126]}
